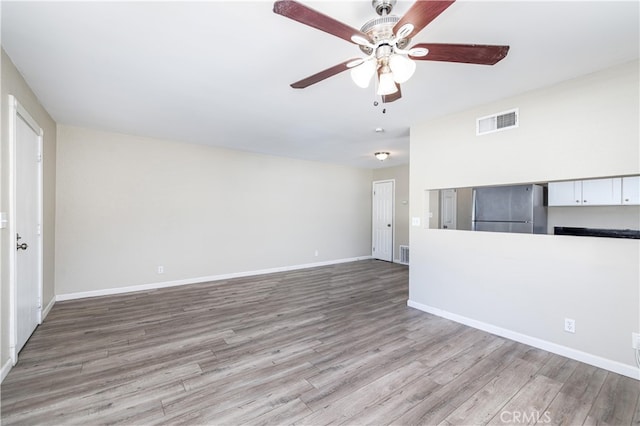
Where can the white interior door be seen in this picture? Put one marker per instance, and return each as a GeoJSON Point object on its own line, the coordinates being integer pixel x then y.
{"type": "Point", "coordinates": [448, 207]}
{"type": "Point", "coordinates": [383, 199]}
{"type": "Point", "coordinates": [27, 227]}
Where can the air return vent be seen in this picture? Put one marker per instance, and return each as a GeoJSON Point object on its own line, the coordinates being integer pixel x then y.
{"type": "Point", "coordinates": [497, 122]}
{"type": "Point", "coordinates": [404, 255]}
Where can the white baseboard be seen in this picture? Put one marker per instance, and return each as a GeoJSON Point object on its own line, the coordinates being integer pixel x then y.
{"type": "Point", "coordinates": [587, 358]}
{"type": "Point", "coordinates": [47, 308]}
{"type": "Point", "coordinates": [154, 286]}
{"type": "Point", "coordinates": [6, 367]}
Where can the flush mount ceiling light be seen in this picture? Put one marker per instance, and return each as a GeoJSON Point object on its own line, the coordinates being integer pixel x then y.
{"type": "Point", "coordinates": [381, 155]}
{"type": "Point", "coordinates": [384, 41]}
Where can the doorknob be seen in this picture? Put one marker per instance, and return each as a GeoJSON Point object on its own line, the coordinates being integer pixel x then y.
{"type": "Point", "coordinates": [22, 246]}
{"type": "Point", "coordinates": [388, 225]}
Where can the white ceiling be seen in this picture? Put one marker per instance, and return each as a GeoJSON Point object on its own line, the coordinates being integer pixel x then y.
{"type": "Point", "coordinates": [218, 73]}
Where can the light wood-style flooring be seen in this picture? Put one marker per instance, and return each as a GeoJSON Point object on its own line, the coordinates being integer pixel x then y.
{"type": "Point", "coordinates": [328, 345]}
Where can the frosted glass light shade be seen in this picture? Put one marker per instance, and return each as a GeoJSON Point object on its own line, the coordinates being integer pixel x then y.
{"type": "Point", "coordinates": [361, 75]}
{"type": "Point", "coordinates": [402, 68]}
{"type": "Point", "coordinates": [381, 155]}
{"type": "Point", "coordinates": [387, 86]}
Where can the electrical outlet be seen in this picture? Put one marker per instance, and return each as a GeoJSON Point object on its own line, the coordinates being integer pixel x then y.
{"type": "Point", "coordinates": [635, 340]}
{"type": "Point", "coordinates": [569, 325]}
{"type": "Point", "coordinates": [161, 269]}
{"type": "Point", "coordinates": [316, 253]}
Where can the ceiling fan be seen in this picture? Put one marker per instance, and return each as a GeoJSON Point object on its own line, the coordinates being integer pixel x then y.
{"type": "Point", "coordinates": [384, 41]}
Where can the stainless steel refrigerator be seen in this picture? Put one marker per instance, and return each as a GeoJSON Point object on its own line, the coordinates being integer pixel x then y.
{"type": "Point", "coordinates": [518, 208]}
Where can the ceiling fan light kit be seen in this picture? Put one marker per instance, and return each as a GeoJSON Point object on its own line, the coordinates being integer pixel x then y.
{"type": "Point", "coordinates": [402, 68]}
{"type": "Point", "coordinates": [361, 74]}
{"type": "Point", "coordinates": [384, 40]}
{"type": "Point", "coordinates": [386, 85]}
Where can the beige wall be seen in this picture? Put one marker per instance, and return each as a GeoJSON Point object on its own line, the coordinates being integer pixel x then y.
{"type": "Point", "coordinates": [127, 205]}
{"type": "Point", "coordinates": [401, 215]}
{"type": "Point", "coordinates": [464, 208]}
{"type": "Point", "coordinates": [525, 285]}
{"type": "Point", "coordinates": [14, 84]}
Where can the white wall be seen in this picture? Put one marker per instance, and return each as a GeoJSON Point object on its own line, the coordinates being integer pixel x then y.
{"type": "Point", "coordinates": [585, 127]}
{"type": "Point", "coordinates": [127, 205]}
{"type": "Point", "coordinates": [524, 286]}
{"type": "Point", "coordinates": [14, 84]}
{"type": "Point", "coordinates": [604, 217]}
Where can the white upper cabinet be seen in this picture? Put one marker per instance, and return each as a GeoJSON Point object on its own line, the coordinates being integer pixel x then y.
{"type": "Point", "coordinates": [631, 190]}
{"type": "Point", "coordinates": [565, 193]}
{"type": "Point", "coordinates": [602, 192]}
{"type": "Point", "coordinates": [595, 192]}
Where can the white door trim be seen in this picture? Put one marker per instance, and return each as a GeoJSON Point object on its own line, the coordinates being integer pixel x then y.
{"type": "Point", "coordinates": [393, 215]}
{"type": "Point", "coordinates": [16, 112]}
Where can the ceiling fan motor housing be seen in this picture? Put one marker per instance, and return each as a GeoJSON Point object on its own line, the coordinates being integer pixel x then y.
{"type": "Point", "coordinates": [383, 7]}
{"type": "Point", "coordinates": [379, 29]}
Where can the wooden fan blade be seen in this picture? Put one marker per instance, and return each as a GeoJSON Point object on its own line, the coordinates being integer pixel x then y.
{"type": "Point", "coordinates": [329, 72]}
{"type": "Point", "coordinates": [482, 54]}
{"type": "Point", "coordinates": [392, 97]}
{"type": "Point", "coordinates": [305, 15]}
{"type": "Point", "coordinates": [420, 14]}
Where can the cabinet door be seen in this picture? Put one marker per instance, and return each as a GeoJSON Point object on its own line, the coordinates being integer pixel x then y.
{"type": "Point", "coordinates": [602, 192]}
{"type": "Point", "coordinates": [631, 190]}
{"type": "Point", "coordinates": [565, 193]}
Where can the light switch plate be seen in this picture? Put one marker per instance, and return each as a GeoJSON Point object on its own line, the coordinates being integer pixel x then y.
{"type": "Point", "coordinates": [415, 221]}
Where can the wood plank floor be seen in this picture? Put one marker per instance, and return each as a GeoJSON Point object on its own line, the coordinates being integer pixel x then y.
{"type": "Point", "coordinates": [328, 345]}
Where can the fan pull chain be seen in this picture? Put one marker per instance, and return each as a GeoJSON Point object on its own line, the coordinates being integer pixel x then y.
{"type": "Point", "coordinates": [375, 96]}
{"type": "Point", "coordinates": [375, 91]}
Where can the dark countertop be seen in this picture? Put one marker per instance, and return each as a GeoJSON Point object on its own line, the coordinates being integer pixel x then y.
{"type": "Point", "coordinates": [594, 232]}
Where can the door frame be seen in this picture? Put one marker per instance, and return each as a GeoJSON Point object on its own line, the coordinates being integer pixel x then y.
{"type": "Point", "coordinates": [18, 112]}
{"type": "Point", "coordinates": [393, 215]}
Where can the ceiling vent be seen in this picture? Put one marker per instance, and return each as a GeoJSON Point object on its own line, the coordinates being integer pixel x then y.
{"type": "Point", "coordinates": [497, 122]}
